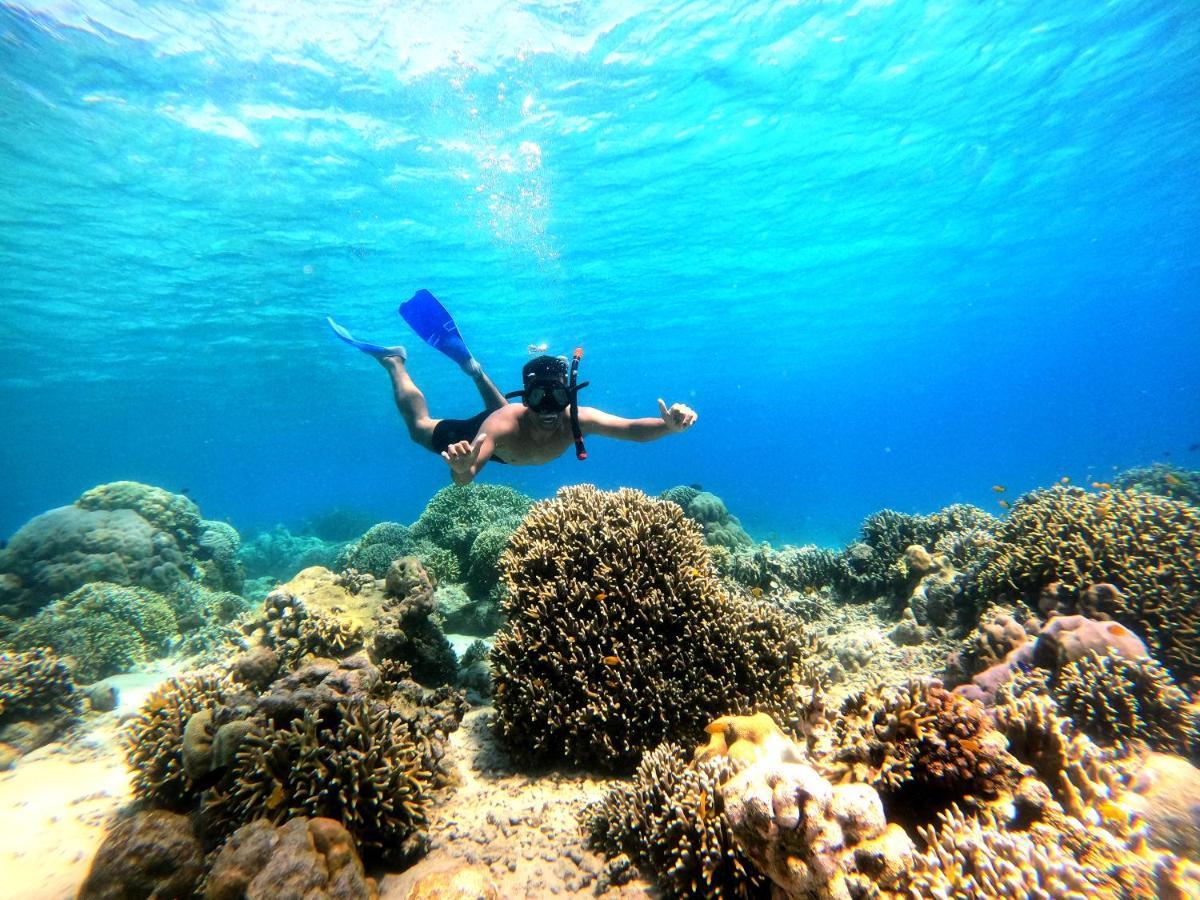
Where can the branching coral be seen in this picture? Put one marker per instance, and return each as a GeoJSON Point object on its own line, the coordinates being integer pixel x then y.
{"type": "Point", "coordinates": [1064, 542]}
{"type": "Point", "coordinates": [357, 763]}
{"type": "Point", "coordinates": [293, 631]}
{"type": "Point", "coordinates": [1164, 480]}
{"type": "Point", "coordinates": [153, 740]}
{"type": "Point", "coordinates": [36, 686]}
{"type": "Point", "coordinates": [920, 745]}
{"type": "Point", "coordinates": [670, 820]}
{"type": "Point", "coordinates": [618, 635]}
{"type": "Point", "coordinates": [105, 628]}
{"type": "Point", "coordinates": [1110, 697]}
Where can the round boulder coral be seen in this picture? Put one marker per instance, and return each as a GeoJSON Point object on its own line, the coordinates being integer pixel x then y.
{"type": "Point", "coordinates": [619, 636]}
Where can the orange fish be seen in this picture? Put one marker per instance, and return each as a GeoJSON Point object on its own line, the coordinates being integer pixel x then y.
{"type": "Point", "coordinates": [1172, 479]}
{"type": "Point", "coordinates": [756, 591]}
{"type": "Point", "coordinates": [612, 660]}
{"type": "Point", "coordinates": [1005, 504]}
{"type": "Point", "coordinates": [601, 595]}
{"type": "Point", "coordinates": [999, 488]}
{"type": "Point", "coordinates": [1066, 479]}
{"type": "Point", "coordinates": [1102, 485]}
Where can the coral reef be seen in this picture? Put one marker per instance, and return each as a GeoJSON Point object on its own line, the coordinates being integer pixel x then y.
{"type": "Point", "coordinates": [217, 556]}
{"type": "Point", "coordinates": [104, 628]}
{"type": "Point", "coordinates": [670, 821]}
{"type": "Point", "coordinates": [1110, 697]}
{"type": "Point", "coordinates": [709, 512]}
{"type": "Point", "coordinates": [292, 631]}
{"type": "Point", "coordinates": [37, 699]}
{"type": "Point", "coordinates": [406, 633]}
{"type": "Point", "coordinates": [375, 550]}
{"type": "Point", "coordinates": [356, 763]}
{"type": "Point", "coordinates": [153, 740]}
{"type": "Point", "coordinates": [919, 745]}
{"type": "Point", "coordinates": [1162, 479]}
{"type": "Point", "coordinates": [619, 637]}
{"type": "Point", "coordinates": [311, 858]}
{"type": "Point", "coordinates": [1058, 545]}
{"type": "Point", "coordinates": [150, 854]}
{"type": "Point", "coordinates": [874, 565]}
{"type": "Point", "coordinates": [457, 515]}
{"type": "Point", "coordinates": [280, 554]}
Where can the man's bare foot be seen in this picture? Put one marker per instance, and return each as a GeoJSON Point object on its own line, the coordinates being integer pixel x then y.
{"type": "Point", "coordinates": [472, 368]}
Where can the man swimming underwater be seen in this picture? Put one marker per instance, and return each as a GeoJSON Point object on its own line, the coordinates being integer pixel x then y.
{"type": "Point", "coordinates": [540, 428]}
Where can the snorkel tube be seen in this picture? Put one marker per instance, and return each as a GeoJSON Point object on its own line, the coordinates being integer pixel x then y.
{"type": "Point", "coordinates": [573, 388]}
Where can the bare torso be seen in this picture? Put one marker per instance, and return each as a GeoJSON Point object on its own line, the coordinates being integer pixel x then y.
{"type": "Point", "coordinates": [522, 439]}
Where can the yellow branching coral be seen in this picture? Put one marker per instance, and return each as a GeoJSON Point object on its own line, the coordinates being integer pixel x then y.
{"type": "Point", "coordinates": [619, 635]}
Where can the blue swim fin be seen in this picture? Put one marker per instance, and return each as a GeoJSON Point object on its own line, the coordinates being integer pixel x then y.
{"type": "Point", "coordinates": [370, 349]}
{"type": "Point", "coordinates": [429, 319]}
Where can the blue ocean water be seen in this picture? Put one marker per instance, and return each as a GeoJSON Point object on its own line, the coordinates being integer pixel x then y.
{"type": "Point", "coordinates": [892, 252]}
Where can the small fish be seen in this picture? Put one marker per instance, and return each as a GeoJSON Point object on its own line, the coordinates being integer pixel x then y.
{"type": "Point", "coordinates": [756, 591]}
{"type": "Point", "coordinates": [1005, 504]}
{"type": "Point", "coordinates": [700, 487]}
{"type": "Point", "coordinates": [1066, 479]}
{"type": "Point", "coordinates": [1193, 448]}
{"type": "Point", "coordinates": [535, 349]}
{"type": "Point", "coordinates": [999, 488]}
{"type": "Point", "coordinates": [185, 491]}
{"type": "Point", "coordinates": [277, 797]}
{"type": "Point", "coordinates": [1174, 480]}
{"type": "Point", "coordinates": [1102, 485]}
{"type": "Point", "coordinates": [612, 660]}
{"type": "Point", "coordinates": [601, 596]}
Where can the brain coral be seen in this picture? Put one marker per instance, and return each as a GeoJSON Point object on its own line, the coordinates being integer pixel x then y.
{"type": "Point", "coordinates": [105, 628]}
{"type": "Point", "coordinates": [1065, 541]}
{"type": "Point", "coordinates": [721, 529]}
{"type": "Point", "coordinates": [618, 636]}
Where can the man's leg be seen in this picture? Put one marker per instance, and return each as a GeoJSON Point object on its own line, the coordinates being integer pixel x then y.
{"type": "Point", "coordinates": [410, 401]}
{"type": "Point", "coordinates": [492, 398]}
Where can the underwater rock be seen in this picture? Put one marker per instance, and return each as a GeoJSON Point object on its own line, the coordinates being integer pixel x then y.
{"type": "Point", "coordinates": [406, 634]}
{"type": "Point", "coordinates": [442, 880]}
{"type": "Point", "coordinates": [150, 854]}
{"type": "Point", "coordinates": [311, 858]}
{"type": "Point", "coordinates": [1166, 794]}
{"type": "Point", "coordinates": [101, 697]}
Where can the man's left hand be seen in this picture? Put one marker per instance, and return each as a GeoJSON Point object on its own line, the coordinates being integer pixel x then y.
{"type": "Point", "coordinates": [679, 417]}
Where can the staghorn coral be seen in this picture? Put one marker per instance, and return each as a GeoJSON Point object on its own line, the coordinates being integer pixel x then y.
{"type": "Point", "coordinates": [293, 631]}
{"type": "Point", "coordinates": [36, 686]}
{"type": "Point", "coordinates": [153, 739]}
{"type": "Point", "coordinates": [1110, 697]}
{"type": "Point", "coordinates": [356, 763]}
{"type": "Point", "coordinates": [105, 628]}
{"type": "Point", "coordinates": [618, 635]}
{"type": "Point", "coordinates": [976, 856]}
{"type": "Point", "coordinates": [1059, 545]}
{"type": "Point", "coordinates": [671, 822]}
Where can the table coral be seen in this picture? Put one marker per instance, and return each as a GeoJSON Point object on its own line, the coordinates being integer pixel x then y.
{"type": "Point", "coordinates": [619, 636]}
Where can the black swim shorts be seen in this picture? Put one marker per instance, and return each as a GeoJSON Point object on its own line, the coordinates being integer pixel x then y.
{"type": "Point", "coordinates": [451, 431]}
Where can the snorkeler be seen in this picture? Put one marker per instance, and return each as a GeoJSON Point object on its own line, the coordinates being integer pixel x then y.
{"type": "Point", "coordinates": [537, 430]}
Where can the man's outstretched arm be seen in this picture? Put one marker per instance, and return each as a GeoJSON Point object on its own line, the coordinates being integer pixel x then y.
{"type": "Point", "coordinates": [676, 418]}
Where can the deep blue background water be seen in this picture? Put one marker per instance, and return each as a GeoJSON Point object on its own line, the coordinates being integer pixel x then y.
{"type": "Point", "coordinates": [893, 253]}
